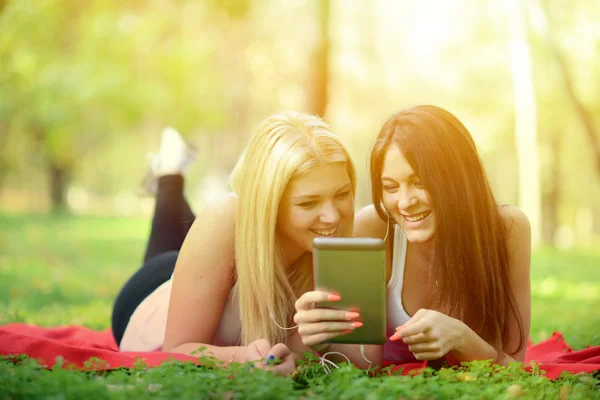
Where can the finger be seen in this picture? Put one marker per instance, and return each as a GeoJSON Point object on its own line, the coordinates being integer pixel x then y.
{"type": "Point", "coordinates": [436, 355]}
{"type": "Point", "coordinates": [313, 340]}
{"type": "Point", "coordinates": [316, 296]}
{"type": "Point", "coordinates": [420, 314]}
{"type": "Point", "coordinates": [279, 352]}
{"type": "Point", "coordinates": [418, 338]}
{"type": "Point", "coordinates": [288, 366]}
{"type": "Point", "coordinates": [421, 326]}
{"type": "Point", "coordinates": [321, 327]}
{"type": "Point", "coordinates": [322, 314]}
{"type": "Point", "coordinates": [261, 347]}
{"type": "Point", "coordinates": [427, 347]}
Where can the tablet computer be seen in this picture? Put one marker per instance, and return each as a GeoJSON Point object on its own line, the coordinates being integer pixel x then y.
{"type": "Point", "coordinates": [354, 268]}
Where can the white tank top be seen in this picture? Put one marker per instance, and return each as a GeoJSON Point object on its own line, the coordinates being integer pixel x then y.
{"type": "Point", "coordinates": [397, 351]}
{"type": "Point", "coordinates": [146, 328]}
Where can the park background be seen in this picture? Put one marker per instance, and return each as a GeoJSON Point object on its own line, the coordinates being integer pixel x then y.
{"type": "Point", "coordinates": [87, 87]}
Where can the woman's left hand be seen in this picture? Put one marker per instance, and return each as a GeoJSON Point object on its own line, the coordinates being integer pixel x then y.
{"type": "Point", "coordinates": [430, 335]}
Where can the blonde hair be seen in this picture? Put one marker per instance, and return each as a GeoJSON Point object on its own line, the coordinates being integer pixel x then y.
{"type": "Point", "coordinates": [285, 146]}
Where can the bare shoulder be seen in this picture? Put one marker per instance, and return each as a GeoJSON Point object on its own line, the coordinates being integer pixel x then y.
{"type": "Point", "coordinates": [213, 231]}
{"type": "Point", "coordinates": [516, 222]}
{"type": "Point", "coordinates": [518, 240]}
{"type": "Point", "coordinates": [223, 206]}
{"type": "Point", "coordinates": [367, 223]}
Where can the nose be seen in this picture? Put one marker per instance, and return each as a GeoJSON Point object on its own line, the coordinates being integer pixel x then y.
{"type": "Point", "coordinates": [406, 198]}
{"type": "Point", "coordinates": [329, 214]}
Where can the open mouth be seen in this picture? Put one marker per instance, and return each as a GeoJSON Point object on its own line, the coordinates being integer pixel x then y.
{"type": "Point", "coordinates": [417, 217]}
{"type": "Point", "coordinates": [324, 232]}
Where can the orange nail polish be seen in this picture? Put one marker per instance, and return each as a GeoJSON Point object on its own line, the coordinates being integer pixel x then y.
{"type": "Point", "coordinates": [352, 315]}
{"type": "Point", "coordinates": [334, 297]}
{"type": "Point", "coordinates": [395, 336]}
{"type": "Point", "coordinates": [357, 324]}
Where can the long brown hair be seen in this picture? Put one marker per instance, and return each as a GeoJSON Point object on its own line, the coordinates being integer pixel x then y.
{"type": "Point", "coordinates": [470, 245]}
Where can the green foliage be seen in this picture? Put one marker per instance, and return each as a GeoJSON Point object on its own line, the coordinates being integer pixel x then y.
{"type": "Point", "coordinates": [187, 380]}
{"type": "Point", "coordinates": [74, 69]}
{"type": "Point", "coordinates": [75, 76]}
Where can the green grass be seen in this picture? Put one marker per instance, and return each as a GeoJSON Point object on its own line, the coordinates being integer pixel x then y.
{"type": "Point", "coordinates": [57, 271]}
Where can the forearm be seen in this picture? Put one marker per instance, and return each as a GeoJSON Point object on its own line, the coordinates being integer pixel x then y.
{"type": "Point", "coordinates": [226, 354]}
{"type": "Point", "coordinates": [473, 347]}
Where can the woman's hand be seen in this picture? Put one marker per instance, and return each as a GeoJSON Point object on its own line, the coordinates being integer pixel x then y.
{"type": "Point", "coordinates": [265, 356]}
{"type": "Point", "coordinates": [317, 325]}
{"type": "Point", "coordinates": [430, 335]}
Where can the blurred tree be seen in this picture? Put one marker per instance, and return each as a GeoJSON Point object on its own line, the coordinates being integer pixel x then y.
{"type": "Point", "coordinates": [73, 76]}
{"type": "Point", "coordinates": [232, 32]}
{"type": "Point", "coordinates": [569, 175]}
{"type": "Point", "coordinates": [319, 95]}
{"type": "Point", "coordinates": [525, 120]}
{"type": "Point", "coordinates": [549, 32]}
{"type": "Point", "coordinates": [552, 188]}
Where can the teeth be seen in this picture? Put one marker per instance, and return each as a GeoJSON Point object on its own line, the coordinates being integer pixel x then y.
{"type": "Point", "coordinates": [417, 217]}
{"type": "Point", "coordinates": [325, 233]}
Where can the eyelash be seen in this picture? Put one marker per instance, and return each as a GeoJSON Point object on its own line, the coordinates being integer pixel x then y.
{"type": "Point", "coordinates": [389, 188]}
{"type": "Point", "coordinates": [311, 204]}
{"type": "Point", "coordinates": [308, 204]}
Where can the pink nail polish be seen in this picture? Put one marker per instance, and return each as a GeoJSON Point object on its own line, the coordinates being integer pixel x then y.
{"type": "Point", "coordinates": [394, 337]}
{"type": "Point", "coordinates": [334, 297]}
{"type": "Point", "coordinates": [357, 324]}
{"type": "Point", "coordinates": [352, 315]}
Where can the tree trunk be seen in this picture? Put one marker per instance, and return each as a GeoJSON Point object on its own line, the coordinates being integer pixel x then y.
{"type": "Point", "coordinates": [552, 195]}
{"type": "Point", "coordinates": [59, 177]}
{"type": "Point", "coordinates": [319, 95]}
{"type": "Point", "coordinates": [525, 121]}
{"type": "Point", "coordinates": [590, 129]}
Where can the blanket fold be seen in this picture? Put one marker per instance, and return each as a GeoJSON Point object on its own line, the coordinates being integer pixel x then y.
{"type": "Point", "coordinates": [77, 345]}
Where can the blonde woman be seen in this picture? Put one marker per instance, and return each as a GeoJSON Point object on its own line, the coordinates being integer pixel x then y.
{"type": "Point", "coordinates": [247, 256]}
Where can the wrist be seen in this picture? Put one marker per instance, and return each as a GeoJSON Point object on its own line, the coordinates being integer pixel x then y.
{"type": "Point", "coordinates": [463, 338]}
{"type": "Point", "coordinates": [319, 349]}
{"type": "Point", "coordinates": [231, 358]}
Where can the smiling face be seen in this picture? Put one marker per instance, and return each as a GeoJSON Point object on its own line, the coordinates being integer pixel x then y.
{"type": "Point", "coordinates": [318, 204]}
{"type": "Point", "coordinates": [405, 198]}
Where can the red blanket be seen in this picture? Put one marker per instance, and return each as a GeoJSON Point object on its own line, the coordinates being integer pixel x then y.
{"type": "Point", "coordinates": [77, 345]}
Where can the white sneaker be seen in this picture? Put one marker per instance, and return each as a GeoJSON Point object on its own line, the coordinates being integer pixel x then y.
{"type": "Point", "coordinates": [174, 157]}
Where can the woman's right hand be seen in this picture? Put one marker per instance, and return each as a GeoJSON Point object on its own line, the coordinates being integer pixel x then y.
{"type": "Point", "coordinates": [263, 355]}
{"type": "Point", "coordinates": [317, 325]}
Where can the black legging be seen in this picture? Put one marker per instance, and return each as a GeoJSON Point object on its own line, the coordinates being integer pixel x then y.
{"type": "Point", "coordinates": [171, 222]}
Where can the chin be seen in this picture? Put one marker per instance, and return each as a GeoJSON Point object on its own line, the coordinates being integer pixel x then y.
{"type": "Point", "coordinates": [419, 237]}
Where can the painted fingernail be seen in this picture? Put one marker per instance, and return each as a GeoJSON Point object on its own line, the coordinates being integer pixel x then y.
{"type": "Point", "coordinates": [357, 324]}
{"type": "Point", "coordinates": [347, 331]}
{"type": "Point", "coordinates": [270, 358]}
{"type": "Point", "coordinates": [395, 336]}
{"type": "Point", "coordinates": [352, 315]}
{"type": "Point", "coordinates": [334, 297]}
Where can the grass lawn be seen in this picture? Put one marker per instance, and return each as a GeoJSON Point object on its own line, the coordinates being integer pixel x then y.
{"type": "Point", "coordinates": [68, 271]}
